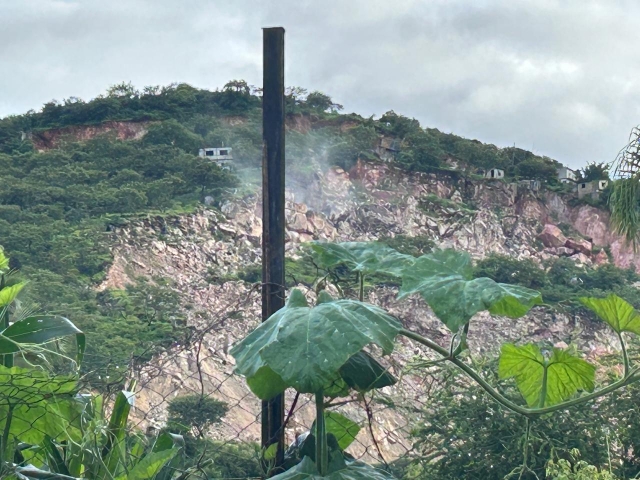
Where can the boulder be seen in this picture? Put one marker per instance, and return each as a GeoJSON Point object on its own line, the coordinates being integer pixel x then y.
{"type": "Point", "coordinates": [581, 259]}
{"type": "Point", "coordinates": [456, 197]}
{"type": "Point", "coordinates": [565, 252]}
{"type": "Point", "coordinates": [580, 245]}
{"type": "Point", "coordinates": [552, 236]}
{"type": "Point", "coordinates": [601, 258]}
{"type": "Point", "coordinates": [298, 222]}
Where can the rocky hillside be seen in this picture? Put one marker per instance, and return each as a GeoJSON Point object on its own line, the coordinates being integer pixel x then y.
{"type": "Point", "coordinates": [202, 251]}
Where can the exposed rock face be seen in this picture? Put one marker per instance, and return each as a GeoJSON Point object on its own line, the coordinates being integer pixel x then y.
{"type": "Point", "coordinates": [122, 130]}
{"type": "Point", "coordinates": [552, 237]}
{"type": "Point", "coordinates": [581, 245]}
{"type": "Point", "coordinates": [601, 258]}
{"type": "Point", "coordinates": [366, 203]}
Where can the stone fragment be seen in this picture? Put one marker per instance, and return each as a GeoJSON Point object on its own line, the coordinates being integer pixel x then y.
{"type": "Point", "coordinates": [601, 258]}
{"type": "Point", "coordinates": [552, 236]}
{"type": "Point", "coordinates": [298, 222]}
{"type": "Point", "coordinates": [581, 259]}
{"type": "Point", "coordinates": [580, 245]}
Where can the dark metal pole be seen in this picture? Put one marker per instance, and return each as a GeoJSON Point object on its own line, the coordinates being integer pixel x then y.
{"type": "Point", "coordinates": [273, 219]}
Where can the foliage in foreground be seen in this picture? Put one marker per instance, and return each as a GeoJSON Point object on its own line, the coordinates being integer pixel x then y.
{"type": "Point", "coordinates": [49, 429]}
{"type": "Point", "coordinates": [306, 348]}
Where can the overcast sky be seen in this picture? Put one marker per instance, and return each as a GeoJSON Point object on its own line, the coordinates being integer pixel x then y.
{"type": "Point", "coordinates": [561, 78]}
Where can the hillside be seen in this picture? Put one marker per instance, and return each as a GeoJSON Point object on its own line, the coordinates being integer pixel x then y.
{"type": "Point", "coordinates": [154, 253]}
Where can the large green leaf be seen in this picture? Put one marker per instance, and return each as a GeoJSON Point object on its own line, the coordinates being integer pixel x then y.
{"type": "Point", "coordinates": [544, 382]}
{"type": "Point", "coordinates": [150, 465]}
{"type": "Point", "coordinates": [4, 261]}
{"type": "Point", "coordinates": [42, 405]}
{"type": "Point", "coordinates": [344, 429]}
{"type": "Point", "coordinates": [8, 294]}
{"type": "Point", "coordinates": [445, 281]}
{"type": "Point", "coordinates": [363, 257]}
{"type": "Point", "coordinates": [306, 470]}
{"type": "Point", "coordinates": [168, 441]}
{"type": "Point", "coordinates": [39, 329]}
{"type": "Point", "coordinates": [32, 473]}
{"type": "Point", "coordinates": [618, 313]}
{"type": "Point", "coordinates": [114, 451]}
{"type": "Point", "coordinates": [305, 347]}
{"type": "Point", "coordinates": [363, 373]}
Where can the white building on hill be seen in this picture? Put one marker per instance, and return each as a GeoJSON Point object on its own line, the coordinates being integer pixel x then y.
{"type": "Point", "coordinates": [220, 155]}
{"type": "Point", "coordinates": [566, 175]}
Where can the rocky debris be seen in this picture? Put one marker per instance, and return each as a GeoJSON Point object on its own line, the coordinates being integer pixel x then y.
{"type": "Point", "coordinates": [551, 236]}
{"type": "Point", "coordinates": [203, 250]}
{"type": "Point", "coordinates": [581, 259]}
{"type": "Point", "coordinates": [565, 251]}
{"type": "Point", "coordinates": [580, 245]}
{"type": "Point", "coordinates": [601, 258]}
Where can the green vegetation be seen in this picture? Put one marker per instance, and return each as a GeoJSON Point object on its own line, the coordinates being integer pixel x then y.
{"type": "Point", "coordinates": [430, 201]}
{"type": "Point", "coordinates": [194, 414]}
{"type": "Point", "coordinates": [561, 282]}
{"type": "Point", "coordinates": [481, 439]}
{"type": "Point", "coordinates": [65, 434]}
{"type": "Point", "coordinates": [59, 207]}
{"type": "Point", "coordinates": [307, 348]}
{"type": "Point", "coordinates": [594, 171]}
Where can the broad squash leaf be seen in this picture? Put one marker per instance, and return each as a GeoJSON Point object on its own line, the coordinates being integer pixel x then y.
{"type": "Point", "coordinates": [618, 313]}
{"type": "Point", "coordinates": [344, 429]}
{"type": "Point", "coordinates": [363, 373]}
{"type": "Point", "coordinates": [336, 388]}
{"type": "Point", "coordinates": [363, 257]}
{"type": "Point", "coordinates": [306, 470]}
{"type": "Point", "coordinates": [445, 281]}
{"type": "Point", "coordinates": [545, 382]}
{"type": "Point", "coordinates": [305, 347]}
{"type": "Point", "coordinates": [270, 452]}
{"type": "Point", "coordinates": [266, 383]}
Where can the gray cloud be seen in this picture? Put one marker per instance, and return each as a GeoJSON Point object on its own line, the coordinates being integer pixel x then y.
{"type": "Point", "coordinates": [559, 77]}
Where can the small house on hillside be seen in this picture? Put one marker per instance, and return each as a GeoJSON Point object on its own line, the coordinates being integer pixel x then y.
{"type": "Point", "coordinates": [220, 155]}
{"type": "Point", "coordinates": [592, 189]}
{"type": "Point", "coordinates": [533, 185]}
{"type": "Point", "coordinates": [494, 173]}
{"type": "Point", "coordinates": [566, 175]}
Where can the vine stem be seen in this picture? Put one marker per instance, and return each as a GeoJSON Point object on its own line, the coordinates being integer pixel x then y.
{"type": "Point", "coordinates": [625, 354]}
{"type": "Point", "coordinates": [525, 448]}
{"type": "Point", "coordinates": [322, 455]}
{"type": "Point", "coordinates": [5, 453]}
{"type": "Point", "coordinates": [631, 377]}
{"type": "Point", "coordinates": [361, 287]}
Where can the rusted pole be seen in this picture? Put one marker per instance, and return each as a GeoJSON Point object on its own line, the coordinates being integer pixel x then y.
{"type": "Point", "coordinates": [273, 219]}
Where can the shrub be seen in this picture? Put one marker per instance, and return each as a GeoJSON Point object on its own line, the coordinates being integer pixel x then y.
{"type": "Point", "coordinates": [194, 414]}
{"type": "Point", "coordinates": [506, 269]}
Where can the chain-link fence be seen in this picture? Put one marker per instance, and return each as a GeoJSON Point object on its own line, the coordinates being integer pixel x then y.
{"type": "Point", "coordinates": [190, 389]}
